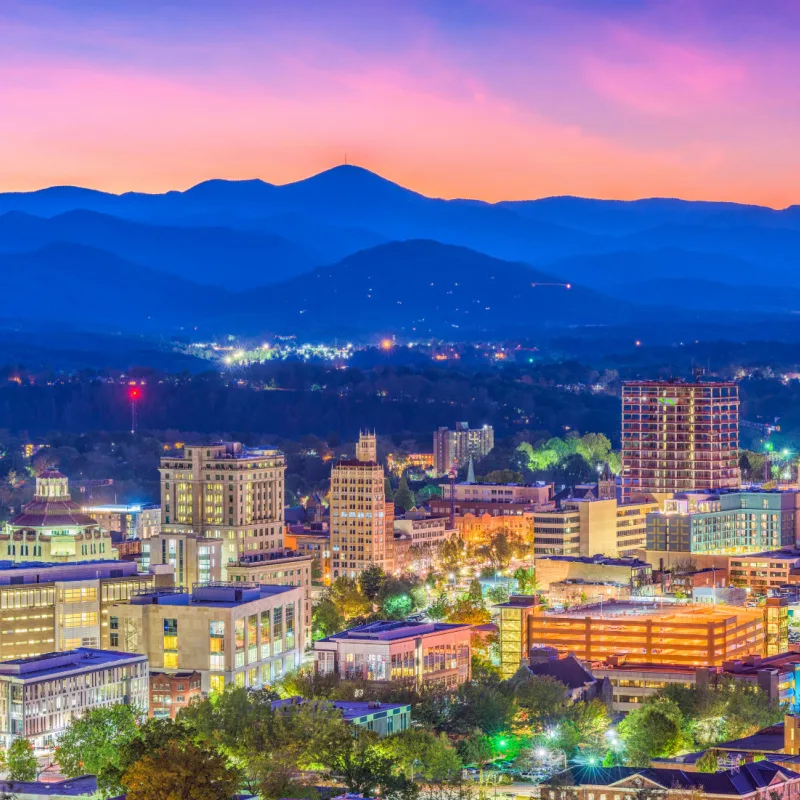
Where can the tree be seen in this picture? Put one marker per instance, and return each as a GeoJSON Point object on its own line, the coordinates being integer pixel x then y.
{"type": "Point", "coordinates": [93, 744]}
{"type": "Point", "coordinates": [656, 729]}
{"type": "Point", "coordinates": [419, 752]}
{"type": "Point", "coordinates": [708, 762]}
{"type": "Point", "coordinates": [404, 497]}
{"type": "Point", "coordinates": [438, 609]}
{"type": "Point", "coordinates": [21, 763]}
{"type": "Point", "coordinates": [541, 698]}
{"type": "Point", "coordinates": [465, 612]}
{"type": "Point", "coordinates": [483, 706]}
{"type": "Point", "coordinates": [181, 771]}
{"type": "Point", "coordinates": [388, 492]}
{"type": "Point", "coordinates": [503, 476]}
{"type": "Point", "coordinates": [326, 619]}
{"type": "Point", "coordinates": [475, 592]}
{"type": "Point", "coordinates": [371, 582]}
{"type": "Point", "coordinates": [451, 554]}
{"type": "Point", "coordinates": [348, 598]}
{"type": "Point", "coordinates": [526, 580]}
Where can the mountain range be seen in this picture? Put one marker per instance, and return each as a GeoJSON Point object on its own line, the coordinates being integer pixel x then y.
{"type": "Point", "coordinates": [350, 250]}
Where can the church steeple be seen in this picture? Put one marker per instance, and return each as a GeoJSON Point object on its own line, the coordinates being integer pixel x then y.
{"type": "Point", "coordinates": [471, 471]}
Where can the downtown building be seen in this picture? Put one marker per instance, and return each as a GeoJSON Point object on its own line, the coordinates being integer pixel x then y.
{"type": "Point", "coordinates": [452, 448]}
{"type": "Point", "coordinates": [40, 696]}
{"type": "Point", "coordinates": [226, 491]}
{"type": "Point", "coordinates": [247, 635]}
{"type": "Point", "coordinates": [679, 437]}
{"type": "Point", "coordinates": [361, 532]}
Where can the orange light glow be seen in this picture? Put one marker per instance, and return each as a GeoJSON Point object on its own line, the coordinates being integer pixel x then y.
{"type": "Point", "coordinates": [386, 344]}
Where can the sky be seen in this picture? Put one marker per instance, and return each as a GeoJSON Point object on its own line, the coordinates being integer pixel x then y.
{"type": "Point", "coordinates": [490, 99]}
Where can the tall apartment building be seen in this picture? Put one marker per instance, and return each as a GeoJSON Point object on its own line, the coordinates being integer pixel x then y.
{"type": "Point", "coordinates": [40, 696]}
{"type": "Point", "coordinates": [236, 633]}
{"type": "Point", "coordinates": [452, 448]}
{"type": "Point", "coordinates": [52, 527]}
{"type": "Point", "coordinates": [359, 534]}
{"type": "Point", "coordinates": [50, 607]}
{"type": "Point", "coordinates": [229, 492]}
{"type": "Point", "coordinates": [679, 437]}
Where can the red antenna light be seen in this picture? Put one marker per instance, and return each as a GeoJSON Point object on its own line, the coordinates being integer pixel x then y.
{"type": "Point", "coordinates": [134, 394]}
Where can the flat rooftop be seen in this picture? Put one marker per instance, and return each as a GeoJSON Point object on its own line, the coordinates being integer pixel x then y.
{"type": "Point", "coordinates": [699, 612]}
{"type": "Point", "coordinates": [389, 631]}
{"type": "Point", "coordinates": [53, 664]}
{"type": "Point", "coordinates": [83, 786]}
{"type": "Point", "coordinates": [217, 595]}
{"type": "Point", "coordinates": [351, 709]}
{"type": "Point", "coordinates": [598, 560]}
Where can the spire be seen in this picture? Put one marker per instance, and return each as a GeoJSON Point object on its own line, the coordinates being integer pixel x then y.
{"type": "Point", "coordinates": [471, 471]}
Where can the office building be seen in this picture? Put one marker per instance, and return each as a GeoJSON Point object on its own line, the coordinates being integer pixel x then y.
{"type": "Point", "coordinates": [765, 572]}
{"type": "Point", "coordinates": [381, 718]}
{"type": "Point", "coordinates": [53, 607]}
{"type": "Point", "coordinates": [226, 491]}
{"type": "Point", "coordinates": [724, 523]}
{"type": "Point", "coordinates": [700, 635]}
{"type": "Point", "coordinates": [359, 530]}
{"type": "Point", "coordinates": [415, 653]}
{"type": "Point", "coordinates": [194, 559]}
{"type": "Point", "coordinates": [52, 527]}
{"type": "Point", "coordinates": [40, 696]}
{"type": "Point", "coordinates": [231, 633]}
{"type": "Point", "coordinates": [679, 437]}
{"type": "Point", "coordinates": [170, 692]}
{"type": "Point", "coordinates": [586, 527]}
{"type": "Point", "coordinates": [452, 448]}
{"type": "Point", "coordinates": [427, 532]}
{"type": "Point", "coordinates": [133, 521]}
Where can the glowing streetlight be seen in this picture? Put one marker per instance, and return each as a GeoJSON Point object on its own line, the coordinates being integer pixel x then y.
{"type": "Point", "coordinates": [386, 344]}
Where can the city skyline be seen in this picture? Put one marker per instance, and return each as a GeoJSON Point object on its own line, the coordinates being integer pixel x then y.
{"type": "Point", "coordinates": [491, 101]}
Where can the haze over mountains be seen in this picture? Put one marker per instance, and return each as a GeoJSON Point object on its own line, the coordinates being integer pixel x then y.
{"type": "Point", "coordinates": [348, 250]}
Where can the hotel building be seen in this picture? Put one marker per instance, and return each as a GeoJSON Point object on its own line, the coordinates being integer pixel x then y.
{"type": "Point", "coordinates": [52, 527]}
{"type": "Point", "coordinates": [230, 633]}
{"type": "Point", "coordinates": [725, 523]}
{"type": "Point", "coordinates": [53, 607]}
{"type": "Point", "coordinates": [422, 654]}
{"type": "Point", "coordinates": [359, 533]}
{"type": "Point", "coordinates": [229, 492]}
{"type": "Point", "coordinates": [453, 448]}
{"type": "Point", "coordinates": [679, 437]}
{"type": "Point", "coordinates": [40, 696]}
{"type": "Point", "coordinates": [699, 635]}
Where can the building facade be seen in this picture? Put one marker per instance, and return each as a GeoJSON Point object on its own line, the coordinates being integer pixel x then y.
{"type": "Point", "coordinates": [52, 527]}
{"type": "Point", "coordinates": [359, 534]}
{"type": "Point", "coordinates": [133, 521]}
{"type": "Point", "coordinates": [53, 607]}
{"type": "Point", "coordinates": [679, 437]}
{"type": "Point", "coordinates": [40, 696]}
{"type": "Point", "coordinates": [226, 491]}
{"type": "Point", "coordinates": [194, 559]}
{"type": "Point", "coordinates": [419, 654]}
{"type": "Point", "coordinates": [630, 572]}
{"type": "Point", "coordinates": [725, 523]}
{"type": "Point", "coordinates": [170, 692]}
{"type": "Point", "coordinates": [240, 634]}
{"type": "Point", "coordinates": [453, 448]}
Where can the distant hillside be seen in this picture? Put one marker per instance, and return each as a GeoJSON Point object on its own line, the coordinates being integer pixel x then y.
{"type": "Point", "coordinates": [211, 255]}
{"type": "Point", "coordinates": [93, 289]}
{"type": "Point", "coordinates": [422, 287]}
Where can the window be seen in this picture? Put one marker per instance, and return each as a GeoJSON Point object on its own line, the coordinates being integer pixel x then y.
{"type": "Point", "coordinates": [170, 643]}
{"type": "Point", "coordinates": [216, 644]}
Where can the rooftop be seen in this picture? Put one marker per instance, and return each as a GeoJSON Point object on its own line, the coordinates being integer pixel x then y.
{"type": "Point", "coordinates": [25, 572]}
{"type": "Point", "coordinates": [218, 594]}
{"type": "Point", "coordinates": [689, 613]}
{"type": "Point", "coordinates": [388, 630]}
{"type": "Point", "coordinates": [52, 664]}
{"type": "Point", "coordinates": [351, 709]}
{"type": "Point", "coordinates": [600, 560]}
{"type": "Point", "coordinates": [83, 786]}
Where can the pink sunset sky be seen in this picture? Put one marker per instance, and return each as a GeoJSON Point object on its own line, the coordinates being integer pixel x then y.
{"type": "Point", "coordinates": [492, 99]}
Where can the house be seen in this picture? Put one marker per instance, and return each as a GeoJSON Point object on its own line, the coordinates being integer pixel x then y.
{"type": "Point", "coordinates": [574, 674]}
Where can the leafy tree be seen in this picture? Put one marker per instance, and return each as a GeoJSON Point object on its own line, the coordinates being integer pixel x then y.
{"type": "Point", "coordinates": [475, 748]}
{"type": "Point", "coordinates": [404, 497]}
{"type": "Point", "coordinates": [708, 762]}
{"type": "Point", "coordinates": [503, 476]}
{"type": "Point", "coordinates": [326, 619]}
{"type": "Point", "coordinates": [542, 699]}
{"type": "Point", "coordinates": [466, 612]}
{"type": "Point", "coordinates": [308, 683]}
{"type": "Point", "coordinates": [388, 491]}
{"type": "Point", "coordinates": [475, 592]}
{"type": "Point", "coordinates": [419, 752]}
{"type": "Point", "coordinates": [438, 609]}
{"type": "Point", "coordinates": [483, 706]}
{"type": "Point", "coordinates": [348, 598]}
{"type": "Point", "coordinates": [180, 771]}
{"type": "Point", "coordinates": [371, 581]}
{"type": "Point", "coordinates": [93, 744]}
{"type": "Point", "coordinates": [526, 580]}
{"type": "Point", "coordinates": [451, 554]}
{"type": "Point", "coordinates": [656, 729]}
{"type": "Point", "coordinates": [498, 594]}
{"type": "Point", "coordinates": [21, 763]}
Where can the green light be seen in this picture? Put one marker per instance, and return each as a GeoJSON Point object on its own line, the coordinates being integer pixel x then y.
{"type": "Point", "coordinates": [502, 743]}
